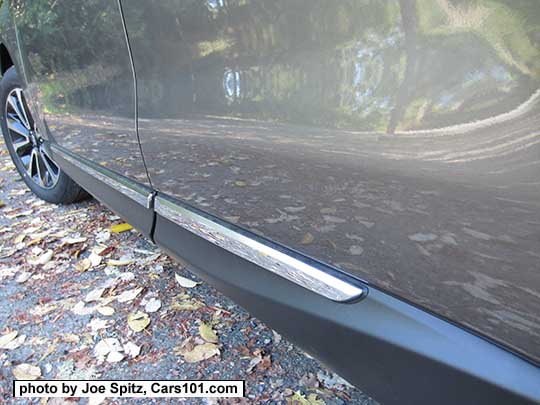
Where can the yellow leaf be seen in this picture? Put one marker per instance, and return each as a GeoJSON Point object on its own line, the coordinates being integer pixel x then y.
{"type": "Point", "coordinates": [26, 371]}
{"type": "Point", "coordinates": [121, 228]}
{"type": "Point", "coordinates": [240, 183]}
{"type": "Point", "coordinates": [207, 333]}
{"type": "Point", "coordinates": [2, 204]}
{"type": "Point", "coordinates": [138, 321]}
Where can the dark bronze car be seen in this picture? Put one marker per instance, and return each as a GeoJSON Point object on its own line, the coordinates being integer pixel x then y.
{"type": "Point", "coordinates": [362, 175]}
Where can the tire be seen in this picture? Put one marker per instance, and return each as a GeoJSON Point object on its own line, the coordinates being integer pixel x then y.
{"type": "Point", "coordinates": [32, 158]}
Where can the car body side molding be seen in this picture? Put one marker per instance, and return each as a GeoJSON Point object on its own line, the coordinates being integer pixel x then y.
{"type": "Point", "coordinates": [270, 256]}
{"type": "Point", "coordinates": [314, 276]}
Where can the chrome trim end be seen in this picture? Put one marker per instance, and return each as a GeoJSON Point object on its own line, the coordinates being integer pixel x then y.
{"type": "Point", "coordinates": [130, 189]}
{"type": "Point", "coordinates": [260, 253]}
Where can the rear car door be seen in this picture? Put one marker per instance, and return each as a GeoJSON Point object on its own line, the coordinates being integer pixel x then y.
{"type": "Point", "coordinates": [77, 66]}
{"type": "Point", "coordinates": [394, 140]}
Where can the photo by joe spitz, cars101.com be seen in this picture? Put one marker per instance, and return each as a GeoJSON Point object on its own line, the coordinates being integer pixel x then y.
{"type": "Point", "coordinates": [363, 176]}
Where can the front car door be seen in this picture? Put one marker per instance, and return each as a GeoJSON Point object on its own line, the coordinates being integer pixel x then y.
{"type": "Point", "coordinates": [77, 66]}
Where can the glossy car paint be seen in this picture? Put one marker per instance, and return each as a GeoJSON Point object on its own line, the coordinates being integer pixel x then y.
{"type": "Point", "coordinates": [396, 140]}
{"type": "Point", "coordinates": [80, 78]}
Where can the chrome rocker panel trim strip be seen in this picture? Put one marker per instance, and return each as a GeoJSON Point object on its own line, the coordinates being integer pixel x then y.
{"type": "Point", "coordinates": [259, 252]}
{"type": "Point", "coordinates": [326, 282]}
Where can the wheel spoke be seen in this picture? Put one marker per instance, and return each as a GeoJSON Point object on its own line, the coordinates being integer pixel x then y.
{"type": "Point", "coordinates": [14, 103]}
{"type": "Point", "coordinates": [27, 144]}
{"type": "Point", "coordinates": [40, 170]}
{"type": "Point", "coordinates": [32, 163]}
{"type": "Point", "coordinates": [21, 144]}
{"type": "Point", "coordinates": [51, 167]}
{"type": "Point", "coordinates": [22, 103]}
{"type": "Point", "coordinates": [18, 127]}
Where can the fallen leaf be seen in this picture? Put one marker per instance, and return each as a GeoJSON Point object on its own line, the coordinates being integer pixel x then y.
{"type": "Point", "coordinates": [81, 309]}
{"type": "Point", "coordinates": [152, 305]}
{"type": "Point", "coordinates": [299, 399]}
{"type": "Point", "coordinates": [121, 262]}
{"type": "Point", "coordinates": [44, 309]}
{"type": "Point", "coordinates": [94, 295]}
{"type": "Point", "coordinates": [185, 282]}
{"type": "Point", "coordinates": [132, 350]}
{"type": "Point", "coordinates": [138, 321]}
{"type": "Point", "coordinates": [115, 357]}
{"type": "Point", "coordinates": [107, 345]}
{"type": "Point", "coordinates": [73, 241]}
{"type": "Point", "coordinates": [71, 338]}
{"type": "Point", "coordinates": [83, 265]}
{"type": "Point", "coordinates": [186, 305]}
{"type": "Point", "coordinates": [98, 324]}
{"type": "Point", "coordinates": [41, 260]}
{"type": "Point", "coordinates": [48, 352]}
{"type": "Point", "coordinates": [95, 259]}
{"type": "Point", "coordinates": [121, 228]}
{"type": "Point", "coordinates": [23, 277]}
{"type": "Point", "coordinates": [200, 352]}
{"type": "Point", "coordinates": [6, 339]}
{"type": "Point", "coordinates": [207, 333]}
{"type": "Point", "coordinates": [105, 310]}
{"type": "Point", "coordinates": [26, 371]}
{"type": "Point", "coordinates": [19, 238]}
{"type": "Point", "coordinates": [129, 295]}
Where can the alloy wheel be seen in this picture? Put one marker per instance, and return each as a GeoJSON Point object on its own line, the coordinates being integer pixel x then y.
{"type": "Point", "coordinates": [27, 144]}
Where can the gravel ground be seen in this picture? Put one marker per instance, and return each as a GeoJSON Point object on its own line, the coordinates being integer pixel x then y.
{"type": "Point", "coordinates": [81, 301]}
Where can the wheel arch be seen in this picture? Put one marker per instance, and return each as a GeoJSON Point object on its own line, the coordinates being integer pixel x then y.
{"type": "Point", "coordinates": [5, 58]}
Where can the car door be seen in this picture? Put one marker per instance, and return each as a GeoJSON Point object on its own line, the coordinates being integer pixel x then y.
{"type": "Point", "coordinates": [78, 71]}
{"type": "Point", "coordinates": [397, 140]}
{"type": "Point", "coordinates": [77, 66]}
